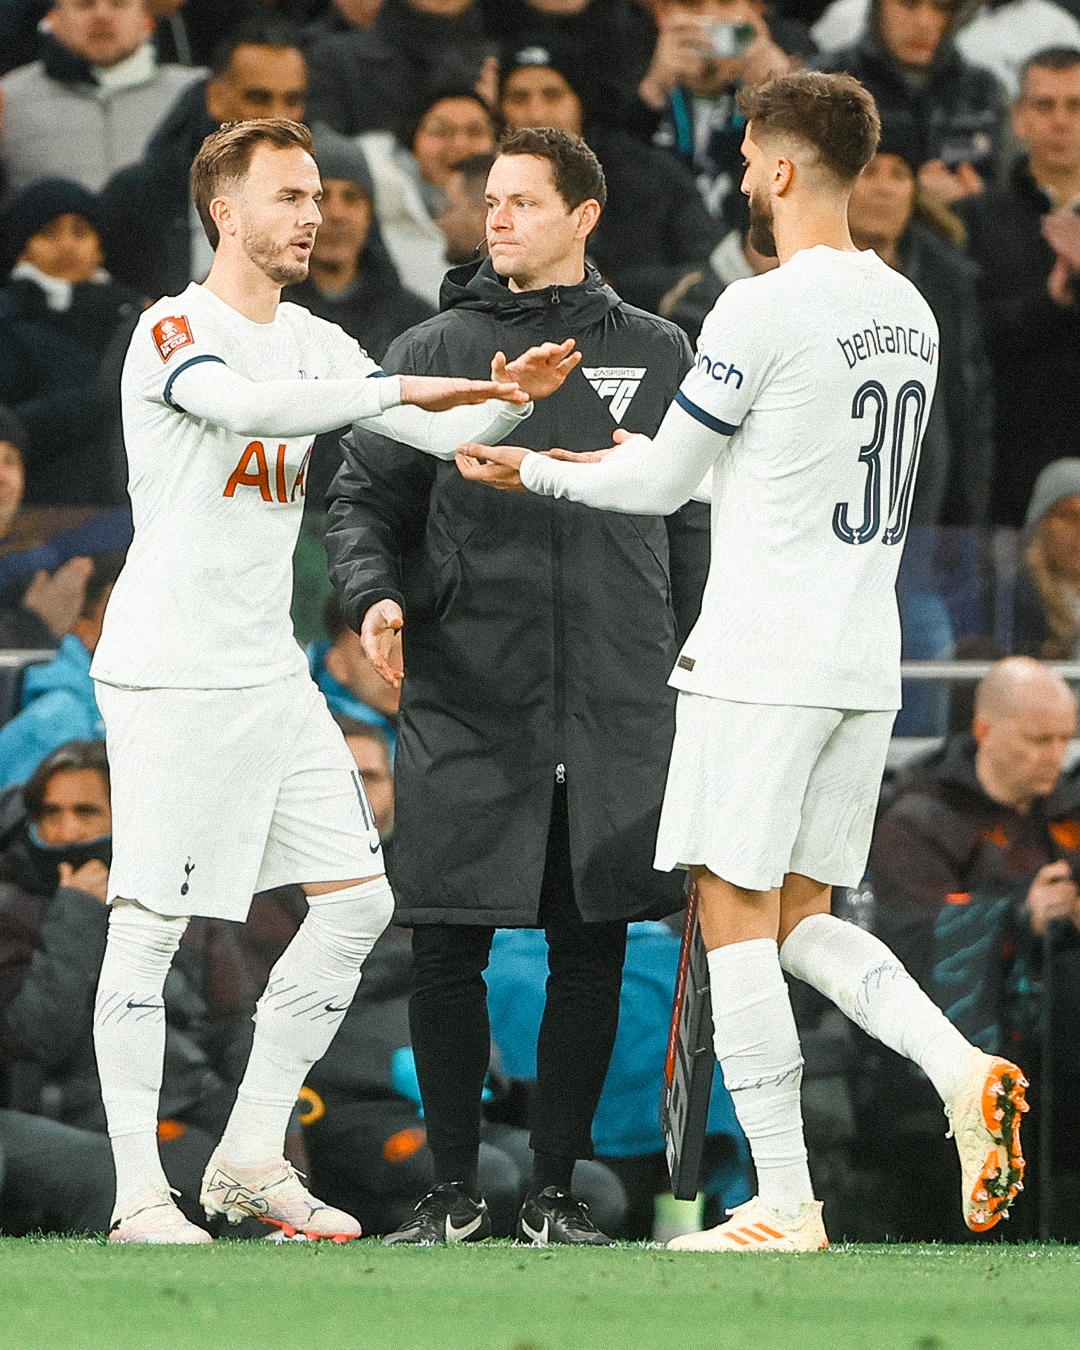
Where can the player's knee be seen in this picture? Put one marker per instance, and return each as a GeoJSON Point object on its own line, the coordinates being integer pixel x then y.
{"type": "Point", "coordinates": [348, 929]}
{"type": "Point", "coordinates": [142, 935]}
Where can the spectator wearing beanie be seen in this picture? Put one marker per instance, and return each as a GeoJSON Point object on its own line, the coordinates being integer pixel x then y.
{"type": "Point", "coordinates": [655, 229]}
{"type": "Point", "coordinates": [410, 172]}
{"type": "Point", "coordinates": [929, 95]}
{"type": "Point", "coordinates": [383, 78]}
{"type": "Point", "coordinates": [352, 280]}
{"type": "Point", "coordinates": [58, 312]}
{"type": "Point", "coordinates": [90, 104]}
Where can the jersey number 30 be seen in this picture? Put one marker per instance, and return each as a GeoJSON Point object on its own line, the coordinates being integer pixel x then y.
{"type": "Point", "coordinates": [907, 426]}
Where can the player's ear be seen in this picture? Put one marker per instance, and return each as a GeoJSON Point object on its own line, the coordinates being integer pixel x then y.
{"type": "Point", "coordinates": [221, 214]}
{"type": "Point", "coordinates": [783, 175]}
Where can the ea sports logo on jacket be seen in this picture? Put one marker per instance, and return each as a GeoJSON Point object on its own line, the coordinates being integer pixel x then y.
{"type": "Point", "coordinates": [617, 383]}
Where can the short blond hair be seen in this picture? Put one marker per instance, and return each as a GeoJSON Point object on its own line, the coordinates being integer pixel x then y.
{"type": "Point", "coordinates": [225, 157]}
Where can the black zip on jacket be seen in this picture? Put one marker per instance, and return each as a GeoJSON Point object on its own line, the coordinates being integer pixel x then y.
{"type": "Point", "coordinates": [539, 634]}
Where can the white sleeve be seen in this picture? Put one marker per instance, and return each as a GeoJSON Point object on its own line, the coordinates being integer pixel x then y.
{"type": "Point", "coordinates": [441, 433]}
{"type": "Point", "coordinates": [206, 388]}
{"type": "Point", "coordinates": [644, 477]}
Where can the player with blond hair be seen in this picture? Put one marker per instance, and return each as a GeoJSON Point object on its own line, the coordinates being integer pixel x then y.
{"type": "Point", "coordinates": [229, 775]}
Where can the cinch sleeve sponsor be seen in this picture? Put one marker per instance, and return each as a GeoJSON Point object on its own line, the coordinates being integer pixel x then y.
{"type": "Point", "coordinates": [728, 370]}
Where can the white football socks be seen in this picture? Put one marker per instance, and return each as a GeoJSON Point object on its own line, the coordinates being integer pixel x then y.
{"type": "Point", "coordinates": [129, 1039]}
{"type": "Point", "coordinates": [757, 1045]}
{"type": "Point", "coordinates": [308, 993]}
{"type": "Point", "coordinates": [869, 985]}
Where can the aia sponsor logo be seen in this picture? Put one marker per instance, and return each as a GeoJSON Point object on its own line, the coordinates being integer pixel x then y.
{"type": "Point", "coordinates": [171, 334]}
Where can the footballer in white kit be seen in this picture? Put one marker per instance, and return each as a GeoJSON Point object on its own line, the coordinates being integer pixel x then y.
{"type": "Point", "coordinates": [801, 421]}
{"type": "Point", "coordinates": [229, 775]}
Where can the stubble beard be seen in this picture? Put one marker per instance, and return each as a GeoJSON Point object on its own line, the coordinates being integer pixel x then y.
{"type": "Point", "coordinates": [270, 259]}
{"type": "Point", "coordinates": [762, 238]}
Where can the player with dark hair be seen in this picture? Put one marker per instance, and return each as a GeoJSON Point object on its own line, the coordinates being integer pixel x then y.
{"type": "Point", "coordinates": [803, 415]}
{"type": "Point", "coordinates": [530, 758]}
{"type": "Point", "coordinates": [229, 775]}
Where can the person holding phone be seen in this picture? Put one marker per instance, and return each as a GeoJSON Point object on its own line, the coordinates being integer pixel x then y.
{"type": "Point", "coordinates": [707, 50]}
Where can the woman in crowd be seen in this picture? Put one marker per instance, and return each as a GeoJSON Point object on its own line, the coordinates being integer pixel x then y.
{"type": "Point", "coordinates": [410, 172]}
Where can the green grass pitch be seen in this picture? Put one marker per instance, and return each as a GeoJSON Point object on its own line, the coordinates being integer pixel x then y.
{"type": "Point", "coordinates": [57, 1294]}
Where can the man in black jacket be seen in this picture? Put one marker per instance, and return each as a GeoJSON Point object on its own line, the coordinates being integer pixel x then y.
{"type": "Point", "coordinates": [1032, 324]}
{"type": "Point", "coordinates": [973, 864]}
{"type": "Point", "coordinates": [530, 764]}
{"type": "Point", "coordinates": [953, 112]}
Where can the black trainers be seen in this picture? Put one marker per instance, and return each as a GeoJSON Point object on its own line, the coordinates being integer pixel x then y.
{"type": "Point", "coordinates": [555, 1216]}
{"type": "Point", "coordinates": [446, 1214]}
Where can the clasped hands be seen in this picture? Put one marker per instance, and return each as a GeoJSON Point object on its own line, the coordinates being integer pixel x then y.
{"type": "Point", "coordinates": [498, 465]}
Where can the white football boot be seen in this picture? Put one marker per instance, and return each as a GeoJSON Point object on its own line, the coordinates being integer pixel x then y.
{"type": "Point", "coordinates": [985, 1122]}
{"type": "Point", "coordinates": [273, 1193]}
{"type": "Point", "coordinates": [753, 1228]}
{"type": "Point", "coordinates": [151, 1216]}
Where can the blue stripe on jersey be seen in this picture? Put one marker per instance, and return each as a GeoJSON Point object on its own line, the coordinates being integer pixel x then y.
{"type": "Point", "coordinates": [706, 419]}
{"type": "Point", "coordinates": [378, 375]}
{"type": "Point", "coordinates": [191, 361]}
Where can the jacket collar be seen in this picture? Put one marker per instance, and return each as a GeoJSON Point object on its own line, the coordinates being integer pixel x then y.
{"type": "Point", "coordinates": [478, 286]}
{"type": "Point", "coordinates": [1026, 187]}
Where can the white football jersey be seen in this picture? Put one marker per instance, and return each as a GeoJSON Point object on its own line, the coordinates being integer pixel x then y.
{"type": "Point", "coordinates": [822, 373]}
{"type": "Point", "coordinates": [204, 598]}
{"type": "Point", "coordinates": [805, 408]}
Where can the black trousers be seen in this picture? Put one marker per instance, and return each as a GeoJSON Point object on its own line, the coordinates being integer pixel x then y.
{"type": "Point", "coordinates": [451, 1036]}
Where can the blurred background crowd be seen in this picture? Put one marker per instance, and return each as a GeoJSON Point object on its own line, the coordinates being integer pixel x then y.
{"type": "Point", "coordinates": [974, 195]}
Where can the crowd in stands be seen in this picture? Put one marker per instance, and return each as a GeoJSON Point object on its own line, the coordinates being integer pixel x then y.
{"type": "Point", "coordinates": [974, 195]}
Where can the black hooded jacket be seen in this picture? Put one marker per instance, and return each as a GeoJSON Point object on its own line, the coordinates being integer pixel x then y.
{"type": "Point", "coordinates": [539, 635]}
{"type": "Point", "coordinates": [145, 208]}
{"type": "Point", "coordinates": [956, 113]}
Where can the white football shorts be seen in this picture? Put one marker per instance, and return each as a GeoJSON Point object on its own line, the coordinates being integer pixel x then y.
{"type": "Point", "coordinates": [219, 793]}
{"type": "Point", "coordinates": [758, 790]}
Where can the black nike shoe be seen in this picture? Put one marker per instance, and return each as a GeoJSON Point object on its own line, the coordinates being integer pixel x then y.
{"type": "Point", "coordinates": [555, 1216]}
{"type": "Point", "coordinates": [446, 1214]}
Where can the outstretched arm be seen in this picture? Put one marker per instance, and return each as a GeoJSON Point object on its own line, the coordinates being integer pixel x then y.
{"type": "Point", "coordinates": [642, 476]}
{"type": "Point", "coordinates": [208, 389]}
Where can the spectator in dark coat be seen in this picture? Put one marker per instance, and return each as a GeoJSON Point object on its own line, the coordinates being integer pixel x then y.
{"type": "Point", "coordinates": [58, 313]}
{"type": "Point", "coordinates": [153, 238]}
{"type": "Point", "coordinates": [892, 215]}
{"type": "Point", "coordinates": [528, 781]}
{"type": "Point", "coordinates": [1019, 233]}
{"type": "Point", "coordinates": [973, 866]}
{"type": "Point", "coordinates": [380, 79]}
{"type": "Point", "coordinates": [655, 228]}
{"type": "Point", "coordinates": [952, 112]}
